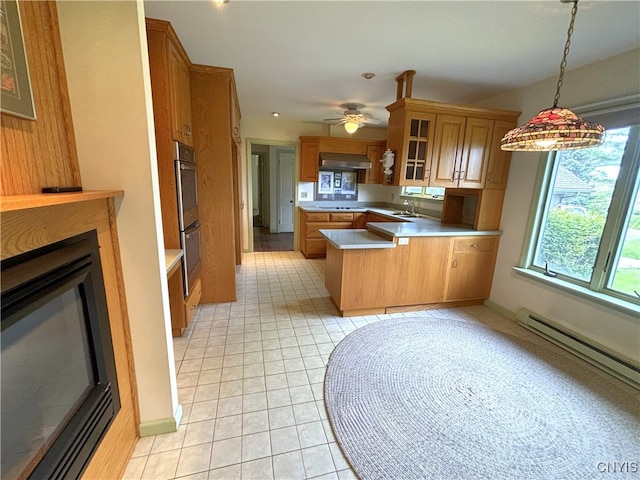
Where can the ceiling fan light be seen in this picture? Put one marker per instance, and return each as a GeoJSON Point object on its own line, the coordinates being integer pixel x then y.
{"type": "Point", "coordinates": [351, 127]}
{"type": "Point", "coordinates": [553, 129]}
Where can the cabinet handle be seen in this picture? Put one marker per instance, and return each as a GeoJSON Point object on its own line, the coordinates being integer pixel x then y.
{"type": "Point", "coordinates": [474, 245]}
{"type": "Point", "coordinates": [460, 175]}
{"type": "Point", "coordinates": [489, 176]}
{"type": "Point", "coordinates": [187, 130]}
{"type": "Point", "coordinates": [455, 263]}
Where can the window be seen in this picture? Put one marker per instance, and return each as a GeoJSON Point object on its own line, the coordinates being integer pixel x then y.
{"type": "Point", "coordinates": [434, 193]}
{"type": "Point", "coordinates": [587, 228]}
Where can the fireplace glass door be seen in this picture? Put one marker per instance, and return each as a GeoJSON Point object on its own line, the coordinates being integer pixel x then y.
{"type": "Point", "coordinates": [58, 376]}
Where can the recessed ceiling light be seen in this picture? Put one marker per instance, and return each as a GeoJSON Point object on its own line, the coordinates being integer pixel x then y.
{"type": "Point", "coordinates": [275, 114]}
{"type": "Point", "coordinates": [220, 2]}
{"type": "Point", "coordinates": [368, 75]}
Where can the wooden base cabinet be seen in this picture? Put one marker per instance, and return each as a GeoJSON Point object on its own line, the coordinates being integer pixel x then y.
{"type": "Point", "coordinates": [471, 268]}
{"type": "Point", "coordinates": [428, 272]}
{"type": "Point", "coordinates": [192, 301]}
{"type": "Point", "coordinates": [372, 280]}
{"type": "Point", "coordinates": [312, 243]}
{"type": "Point", "coordinates": [176, 302]}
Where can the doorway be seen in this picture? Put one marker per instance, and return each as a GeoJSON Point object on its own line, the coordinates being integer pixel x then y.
{"type": "Point", "coordinates": [272, 196]}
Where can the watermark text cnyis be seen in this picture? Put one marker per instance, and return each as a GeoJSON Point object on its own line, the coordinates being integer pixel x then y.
{"type": "Point", "coordinates": [618, 467]}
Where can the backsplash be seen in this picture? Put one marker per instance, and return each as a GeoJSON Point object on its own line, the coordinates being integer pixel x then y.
{"type": "Point", "coordinates": [337, 185]}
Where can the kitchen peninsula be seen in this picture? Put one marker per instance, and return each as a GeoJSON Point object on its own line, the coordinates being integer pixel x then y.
{"type": "Point", "coordinates": [416, 263]}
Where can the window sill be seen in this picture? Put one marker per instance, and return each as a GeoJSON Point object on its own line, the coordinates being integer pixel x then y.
{"type": "Point", "coordinates": [599, 298]}
{"type": "Point", "coordinates": [420, 196]}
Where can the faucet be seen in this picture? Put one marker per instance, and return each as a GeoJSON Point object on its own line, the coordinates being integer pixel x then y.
{"type": "Point", "coordinates": [412, 204]}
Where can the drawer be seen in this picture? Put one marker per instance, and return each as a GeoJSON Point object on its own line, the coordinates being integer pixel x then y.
{"type": "Point", "coordinates": [192, 301]}
{"type": "Point", "coordinates": [316, 247]}
{"type": "Point", "coordinates": [316, 216]}
{"type": "Point", "coordinates": [475, 244]}
{"type": "Point", "coordinates": [313, 229]}
{"type": "Point", "coordinates": [341, 217]}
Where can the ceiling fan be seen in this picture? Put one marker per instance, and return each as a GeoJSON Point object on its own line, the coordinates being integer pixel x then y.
{"type": "Point", "coordinates": [352, 118]}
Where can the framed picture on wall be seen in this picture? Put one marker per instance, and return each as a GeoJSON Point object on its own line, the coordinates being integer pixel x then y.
{"type": "Point", "coordinates": [15, 86]}
{"type": "Point", "coordinates": [325, 183]}
{"type": "Point", "coordinates": [349, 182]}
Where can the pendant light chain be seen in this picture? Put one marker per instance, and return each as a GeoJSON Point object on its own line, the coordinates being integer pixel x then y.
{"type": "Point", "coordinates": [563, 64]}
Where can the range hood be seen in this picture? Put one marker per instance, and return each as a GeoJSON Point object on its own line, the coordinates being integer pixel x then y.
{"type": "Point", "coordinates": [343, 161]}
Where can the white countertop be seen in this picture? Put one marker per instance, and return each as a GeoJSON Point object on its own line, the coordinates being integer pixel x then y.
{"type": "Point", "coordinates": [426, 227]}
{"type": "Point", "coordinates": [422, 226]}
{"type": "Point", "coordinates": [172, 259]}
{"type": "Point", "coordinates": [356, 239]}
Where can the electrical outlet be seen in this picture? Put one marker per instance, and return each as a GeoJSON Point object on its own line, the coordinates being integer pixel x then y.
{"type": "Point", "coordinates": [403, 241]}
{"type": "Point", "coordinates": [393, 197]}
{"type": "Point", "coordinates": [303, 194]}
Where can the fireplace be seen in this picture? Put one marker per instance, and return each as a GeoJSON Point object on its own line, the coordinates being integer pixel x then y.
{"type": "Point", "coordinates": [59, 388]}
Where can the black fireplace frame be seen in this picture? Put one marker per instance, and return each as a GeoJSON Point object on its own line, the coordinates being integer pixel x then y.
{"type": "Point", "coordinates": [32, 279]}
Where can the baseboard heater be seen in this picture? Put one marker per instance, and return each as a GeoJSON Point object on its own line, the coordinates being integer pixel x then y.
{"type": "Point", "coordinates": [598, 356]}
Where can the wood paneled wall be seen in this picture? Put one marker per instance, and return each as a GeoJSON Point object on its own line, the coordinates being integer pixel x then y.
{"type": "Point", "coordinates": [41, 152]}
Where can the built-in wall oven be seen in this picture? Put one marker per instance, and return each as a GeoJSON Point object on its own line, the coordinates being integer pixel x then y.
{"type": "Point", "coordinates": [187, 192]}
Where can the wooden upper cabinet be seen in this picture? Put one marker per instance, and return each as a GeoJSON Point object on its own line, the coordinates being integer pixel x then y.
{"type": "Point", "coordinates": [499, 160]}
{"type": "Point", "coordinates": [311, 146]}
{"type": "Point", "coordinates": [376, 173]}
{"type": "Point", "coordinates": [410, 136]}
{"type": "Point", "coordinates": [447, 151]}
{"type": "Point", "coordinates": [170, 90]}
{"type": "Point", "coordinates": [180, 97]}
{"type": "Point", "coordinates": [170, 81]}
{"type": "Point", "coordinates": [475, 153]}
{"type": "Point", "coordinates": [309, 160]}
{"type": "Point", "coordinates": [446, 145]}
{"type": "Point", "coordinates": [235, 115]}
{"type": "Point", "coordinates": [461, 151]}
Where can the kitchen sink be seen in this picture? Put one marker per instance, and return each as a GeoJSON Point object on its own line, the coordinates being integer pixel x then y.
{"type": "Point", "coordinates": [407, 215]}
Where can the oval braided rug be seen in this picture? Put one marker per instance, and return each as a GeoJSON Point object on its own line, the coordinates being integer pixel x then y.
{"type": "Point", "coordinates": [445, 399]}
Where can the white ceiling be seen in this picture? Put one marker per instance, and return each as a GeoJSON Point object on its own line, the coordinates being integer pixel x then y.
{"type": "Point", "coordinates": [305, 58]}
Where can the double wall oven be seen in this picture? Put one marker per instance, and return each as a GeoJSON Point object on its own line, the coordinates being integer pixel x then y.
{"type": "Point", "coordinates": [187, 191]}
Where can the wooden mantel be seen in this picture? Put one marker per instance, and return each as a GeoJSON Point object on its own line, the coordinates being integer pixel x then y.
{"type": "Point", "coordinates": [10, 203]}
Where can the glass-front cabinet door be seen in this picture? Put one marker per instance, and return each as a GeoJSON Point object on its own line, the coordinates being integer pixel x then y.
{"type": "Point", "coordinates": [412, 144]}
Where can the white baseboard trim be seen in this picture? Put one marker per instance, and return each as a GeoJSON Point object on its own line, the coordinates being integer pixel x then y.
{"type": "Point", "coordinates": [587, 349]}
{"type": "Point", "coordinates": [500, 309]}
{"type": "Point", "coordinates": [163, 425]}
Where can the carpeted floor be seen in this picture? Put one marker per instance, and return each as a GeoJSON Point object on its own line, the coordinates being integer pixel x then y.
{"type": "Point", "coordinates": [440, 399]}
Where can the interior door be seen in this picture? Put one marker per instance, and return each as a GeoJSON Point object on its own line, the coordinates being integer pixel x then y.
{"type": "Point", "coordinates": [286, 170]}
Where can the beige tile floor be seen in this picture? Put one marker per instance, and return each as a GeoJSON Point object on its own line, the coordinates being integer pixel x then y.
{"type": "Point", "coordinates": [250, 379]}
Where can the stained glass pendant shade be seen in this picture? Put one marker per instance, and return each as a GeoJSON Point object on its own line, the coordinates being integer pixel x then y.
{"type": "Point", "coordinates": [555, 128]}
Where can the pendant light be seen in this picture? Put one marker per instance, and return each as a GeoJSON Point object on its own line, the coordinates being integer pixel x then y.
{"type": "Point", "coordinates": [555, 128]}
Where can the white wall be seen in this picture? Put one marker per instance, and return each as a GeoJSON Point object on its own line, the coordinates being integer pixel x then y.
{"type": "Point", "coordinates": [107, 68]}
{"type": "Point", "coordinates": [611, 78]}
